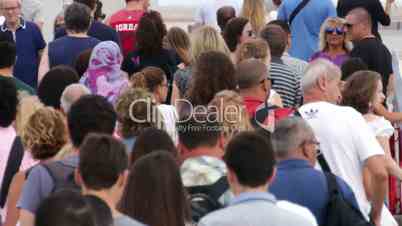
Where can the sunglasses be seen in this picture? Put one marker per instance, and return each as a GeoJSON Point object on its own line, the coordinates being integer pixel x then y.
{"type": "Point", "coordinates": [338, 30]}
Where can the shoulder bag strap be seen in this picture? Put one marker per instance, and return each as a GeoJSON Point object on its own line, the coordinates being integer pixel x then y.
{"type": "Point", "coordinates": [297, 10]}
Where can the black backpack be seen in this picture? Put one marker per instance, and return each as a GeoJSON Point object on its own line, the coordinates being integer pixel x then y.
{"type": "Point", "coordinates": [204, 199]}
{"type": "Point", "coordinates": [339, 211]}
{"type": "Point", "coordinates": [62, 175]}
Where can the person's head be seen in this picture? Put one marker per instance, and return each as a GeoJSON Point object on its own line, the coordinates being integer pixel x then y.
{"type": "Point", "coordinates": [285, 27]}
{"type": "Point", "coordinates": [250, 160]}
{"type": "Point", "coordinates": [254, 48]}
{"type": "Point", "coordinates": [154, 80]}
{"type": "Point", "coordinates": [145, 144]}
{"type": "Point", "coordinates": [214, 70]}
{"type": "Point", "coordinates": [58, 22]}
{"type": "Point", "coordinates": [66, 208]}
{"type": "Point", "coordinates": [45, 133]}
{"type": "Point", "coordinates": [90, 3]}
{"type": "Point", "coordinates": [8, 54]}
{"type": "Point", "coordinates": [136, 111]}
{"type": "Point", "coordinates": [276, 39]}
{"type": "Point", "coordinates": [82, 62]}
{"type": "Point", "coordinates": [322, 81]}
{"type": "Point", "coordinates": [237, 31]}
{"type": "Point", "coordinates": [333, 33]}
{"type": "Point", "coordinates": [254, 10]}
{"type": "Point", "coordinates": [253, 78]}
{"type": "Point", "coordinates": [351, 66]}
{"type": "Point", "coordinates": [103, 164]}
{"type": "Point", "coordinates": [362, 91]}
{"type": "Point", "coordinates": [231, 112]}
{"type": "Point", "coordinates": [199, 130]}
{"type": "Point", "coordinates": [90, 114]}
{"type": "Point", "coordinates": [11, 10]}
{"type": "Point", "coordinates": [294, 138]}
{"type": "Point", "coordinates": [206, 39]}
{"type": "Point", "coordinates": [150, 32]}
{"type": "Point", "coordinates": [77, 18]}
{"type": "Point", "coordinates": [154, 193]}
{"type": "Point", "coordinates": [53, 84]}
{"type": "Point", "coordinates": [102, 212]}
{"type": "Point", "coordinates": [223, 15]}
{"type": "Point", "coordinates": [179, 41]}
{"type": "Point", "coordinates": [8, 102]}
{"type": "Point", "coordinates": [358, 24]}
{"type": "Point", "coordinates": [71, 94]}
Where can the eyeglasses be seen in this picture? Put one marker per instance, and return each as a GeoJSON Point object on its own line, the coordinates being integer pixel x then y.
{"type": "Point", "coordinates": [338, 30]}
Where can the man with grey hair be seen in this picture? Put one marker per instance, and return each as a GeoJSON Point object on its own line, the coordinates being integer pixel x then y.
{"type": "Point", "coordinates": [296, 180]}
{"type": "Point", "coordinates": [346, 141]}
{"type": "Point", "coordinates": [368, 47]}
{"type": "Point", "coordinates": [71, 94]}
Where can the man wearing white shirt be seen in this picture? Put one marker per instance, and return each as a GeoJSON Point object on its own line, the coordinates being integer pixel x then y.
{"type": "Point", "coordinates": [206, 12]}
{"type": "Point", "coordinates": [345, 139]}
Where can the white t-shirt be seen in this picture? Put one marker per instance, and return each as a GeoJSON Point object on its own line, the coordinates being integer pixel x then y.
{"type": "Point", "coordinates": [381, 127]}
{"type": "Point", "coordinates": [206, 13]}
{"type": "Point", "coordinates": [346, 141]}
{"type": "Point", "coordinates": [170, 118]}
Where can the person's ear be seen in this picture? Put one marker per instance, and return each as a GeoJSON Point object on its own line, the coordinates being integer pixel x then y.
{"type": "Point", "coordinates": [322, 83]}
{"type": "Point", "coordinates": [273, 176]}
{"type": "Point", "coordinates": [221, 142]}
{"type": "Point", "coordinates": [77, 178]}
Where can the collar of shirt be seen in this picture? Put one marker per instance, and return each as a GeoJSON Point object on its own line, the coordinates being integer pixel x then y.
{"type": "Point", "coordinates": [277, 60]}
{"type": "Point", "coordinates": [253, 196]}
{"type": "Point", "coordinates": [22, 25]}
{"type": "Point", "coordinates": [294, 164]}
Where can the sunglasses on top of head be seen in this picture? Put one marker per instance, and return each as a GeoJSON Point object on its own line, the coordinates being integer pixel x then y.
{"type": "Point", "coordinates": [338, 30]}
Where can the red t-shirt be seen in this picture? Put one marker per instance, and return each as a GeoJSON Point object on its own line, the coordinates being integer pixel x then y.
{"type": "Point", "coordinates": [126, 23]}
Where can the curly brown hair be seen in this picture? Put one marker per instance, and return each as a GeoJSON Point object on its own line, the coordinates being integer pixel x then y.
{"type": "Point", "coordinates": [144, 110]}
{"type": "Point", "coordinates": [45, 133]}
{"type": "Point", "coordinates": [213, 72]}
{"type": "Point", "coordinates": [254, 48]}
{"type": "Point", "coordinates": [148, 78]}
{"type": "Point", "coordinates": [359, 90]}
{"type": "Point", "coordinates": [150, 33]}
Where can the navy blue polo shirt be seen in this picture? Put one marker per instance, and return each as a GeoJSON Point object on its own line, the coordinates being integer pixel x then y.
{"type": "Point", "coordinates": [298, 182]}
{"type": "Point", "coordinates": [29, 41]}
{"type": "Point", "coordinates": [97, 30]}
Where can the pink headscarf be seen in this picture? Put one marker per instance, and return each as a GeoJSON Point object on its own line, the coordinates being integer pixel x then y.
{"type": "Point", "coordinates": [104, 76]}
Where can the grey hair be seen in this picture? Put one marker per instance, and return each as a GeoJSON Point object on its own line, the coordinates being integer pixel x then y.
{"type": "Point", "coordinates": [317, 69]}
{"type": "Point", "coordinates": [71, 94]}
{"type": "Point", "coordinates": [289, 134]}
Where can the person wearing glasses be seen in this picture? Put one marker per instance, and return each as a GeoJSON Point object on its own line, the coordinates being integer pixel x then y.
{"type": "Point", "coordinates": [334, 46]}
{"type": "Point", "coordinates": [297, 181]}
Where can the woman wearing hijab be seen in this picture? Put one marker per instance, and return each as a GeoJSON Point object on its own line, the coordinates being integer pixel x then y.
{"type": "Point", "coordinates": [103, 76]}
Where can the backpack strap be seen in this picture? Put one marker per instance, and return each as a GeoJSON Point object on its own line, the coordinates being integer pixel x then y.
{"type": "Point", "coordinates": [297, 11]}
{"type": "Point", "coordinates": [332, 184]}
{"type": "Point", "coordinates": [13, 165]}
{"type": "Point", "coordinates": [59, 173]}
{"type": "Point", "coordinates": [215, 190]}
{"type": "Point", "coordinates": [323, 163]}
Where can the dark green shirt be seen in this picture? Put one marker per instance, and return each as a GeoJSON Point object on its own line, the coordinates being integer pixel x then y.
{"type": "Point", "coordinates": [21, 86]}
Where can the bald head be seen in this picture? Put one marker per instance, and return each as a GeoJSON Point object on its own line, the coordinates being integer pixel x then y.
{"type": "Point", "coordinates": [250, 73]}
{"type": "Point", "coordinates": [71, 94]}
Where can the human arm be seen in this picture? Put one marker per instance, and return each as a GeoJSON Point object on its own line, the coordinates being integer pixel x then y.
{"type": "Point", "coordinates": [391, 116]}
{"type": "Point", "coordinates": [15, 191]}
{"type": "Point", "coordinates": [392, 167]}
{"type": "Point", "coordinates": [380, 14]}
{"type": "Point", "coordinates": [44, 66]}
{"type": "Point", "coordinates": [26, 218]}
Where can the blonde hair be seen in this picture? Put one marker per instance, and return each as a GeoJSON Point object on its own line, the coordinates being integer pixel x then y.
{"type": "Point", "coordinates": [206, 39]}
{"type": "Point", "coordinates": [254, 48]}
{"type": "Point", "coordinates": [180, 42]}
{"type": "Point", "coordinates": [45, 133]}
{"type": "Point", "coordinates": [347, 45]}
{"type": "Point", "coordinates": [27, 106]}
{"type": "Point", "coordinates": [254, 11]}
{"type": "Point", "coordinates": [231, 113]}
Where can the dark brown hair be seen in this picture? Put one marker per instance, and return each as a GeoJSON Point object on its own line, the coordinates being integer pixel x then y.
{"type": "Point", "coordinates": [213, 72]}
{"type": "Point", "coordinates": [149, 78]}
{"type": "Point", "coordinates": [145, 143]}
{"type": "Point", "coordinates": [155, 193]}
{"type": "Point", "coordinates": [360, 89]}
{"type": "Point", "coordinates": [233, 30]}
{"type": "Point", "coordinates": [276, 38]}
{"type": "Point", "coordinates": [150, 33]}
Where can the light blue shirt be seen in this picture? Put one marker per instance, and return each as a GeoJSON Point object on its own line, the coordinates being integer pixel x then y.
{"type": "Point", "coordinates": [306, 25]}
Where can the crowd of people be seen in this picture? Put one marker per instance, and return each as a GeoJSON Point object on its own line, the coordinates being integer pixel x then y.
{"type": "Point", "coordinates": [244, 119]}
